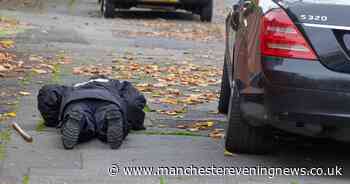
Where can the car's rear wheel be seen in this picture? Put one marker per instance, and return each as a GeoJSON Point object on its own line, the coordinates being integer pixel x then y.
{"type": "Point", "coordinates": [206, 12]}
{"type": "Point", "coordinates": [107, 8]}
{"type": "Point", "coordinates": [242, 137]}
{"type": "Point", "coordinates": [225, 91]}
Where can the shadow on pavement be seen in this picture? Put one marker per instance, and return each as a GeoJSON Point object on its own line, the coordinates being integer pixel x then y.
{"type": "Point", "coordinates": [145, 14]}
{"type": "Point", "coordinates": [300, 152]}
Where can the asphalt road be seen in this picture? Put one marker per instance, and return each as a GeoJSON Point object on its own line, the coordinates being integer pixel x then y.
{"type": "Point", "coordinates": [81, 33]}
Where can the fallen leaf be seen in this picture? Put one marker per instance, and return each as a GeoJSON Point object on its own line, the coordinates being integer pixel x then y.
{"type": "Point", "coordinates": [6, 43]}
{"type": "Point", "coordinates": [193, 129]}
{"type": "Point", "coordinates": [35, 58]}
{"type": "Point", "coordinates": [2, 68]}
{"type": "Point", "coordinates": [215, 135]}
{"type": "Point", "coordinates": [181, 126]}
{"type": "Point", "coordinates": [23, 93]}
{"type": "Point", "coordinates": [39, 71]}
{"type": "Point", "coordinates": [210, 123]}
{"type": "Point", "coordinates": [11, 114]}
{"type": "Point", "coordinates": [227, 153]}
{"type": "Point", "coordinates": [160, 85]}
{"type": "Point", "coordinates": [172, 101]}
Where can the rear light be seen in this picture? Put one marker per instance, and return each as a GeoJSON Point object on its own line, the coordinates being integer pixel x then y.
{"type": "Point", "coordinates": [281, 38]}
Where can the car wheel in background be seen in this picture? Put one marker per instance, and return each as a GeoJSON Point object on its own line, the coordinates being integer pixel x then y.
{"type": "Point", "coordinates": [242, 137]}
{"type": "Point", "coordinates": [206, 12]}
{"type": "Point", "coordinates": [107, 8]}
{"type": "Point", "coordinates": [225, 91]}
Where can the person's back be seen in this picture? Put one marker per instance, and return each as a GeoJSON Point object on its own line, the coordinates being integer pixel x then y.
{"type": "Point", "coordinates": [96, 108]}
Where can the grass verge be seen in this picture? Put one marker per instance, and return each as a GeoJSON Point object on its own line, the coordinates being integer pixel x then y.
{"type": "Point", "coordinates": [25, 179]}
{"type": "Point", "coordinates": [40, 126]}
{"type": "Point", "coordinates": [5, 137]}
{"type": "Point", "coordinates": [173, 133]}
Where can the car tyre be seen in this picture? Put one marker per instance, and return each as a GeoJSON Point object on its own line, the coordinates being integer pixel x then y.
{"type": "Point", "coordinates": [206, 12]}
{"type": "Point", "coordinates": [107, 8]}
{"type": "Point", "coordinates": [225, 91]}
{"type": "Point", "coordinates": [242, 137]}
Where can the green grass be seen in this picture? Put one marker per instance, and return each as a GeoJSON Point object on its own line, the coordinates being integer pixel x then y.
{"type": "Point", "coordinates": [7, 32]}
{"type": "Point", "coordinates": [175, 133]}
{"type": "Point", "coordinates": [25, 179]}
{"type": "Point", "coordinates": [162, 180]}
{"type": "Point", "coordinates": [294, 182]}
{"type": "Point", "coordinates": [56, 74]}
{"type": "Point", "coordinates": [148, 109]}
{"type": "Point", "coordinates": [40, 126]}
{"type": "Point", "coordinates": [5, 137]}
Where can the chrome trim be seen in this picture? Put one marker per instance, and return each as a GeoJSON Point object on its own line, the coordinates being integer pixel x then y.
{"type": "Point", "coordinates": [327, 26]}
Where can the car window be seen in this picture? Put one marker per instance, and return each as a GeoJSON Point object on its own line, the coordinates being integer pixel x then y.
{"type": "Point", "coordinates": [336, 2]}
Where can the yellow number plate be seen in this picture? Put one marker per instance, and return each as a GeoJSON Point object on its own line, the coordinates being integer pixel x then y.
{"type": "Point", "coordinates": [160, 1]}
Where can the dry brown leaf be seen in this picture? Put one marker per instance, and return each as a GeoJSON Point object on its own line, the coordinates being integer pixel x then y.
{"type": "Point", "coordinates": [7, 43]}
{"type": "Point", "coordinates": [11, 114]}
{"type": "Point", "coordinates": [181, 126]}
{"type": "Point", "coordinates": [3, 69]}
{"type": "Point", "coordinates": [172, 101]}
{"type": "Point", "coordinates": [39, 71]}
{"type": "Point", "coordinates": [162, 126]}
{"type": "Point", "coordinates": [216, 135]}
{"type": "Point", "coordinates": [24, 93]}
{"type": "Point", "coordinates": [193, 129]}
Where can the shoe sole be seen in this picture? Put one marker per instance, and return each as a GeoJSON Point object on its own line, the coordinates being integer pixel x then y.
{"type": "Point", "coordinates": [115, 133]}
{"type": "Point", "coordinates": [70, 133]}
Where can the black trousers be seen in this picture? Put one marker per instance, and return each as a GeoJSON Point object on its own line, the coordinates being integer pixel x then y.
{"type": "Point", "coordinates": [92, 115]}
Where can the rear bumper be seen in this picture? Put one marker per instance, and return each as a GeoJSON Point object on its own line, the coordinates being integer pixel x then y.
{"type": "Point", "coordinates": [283, 100]}
{"type": "Point", "coordinates": [305, 87]}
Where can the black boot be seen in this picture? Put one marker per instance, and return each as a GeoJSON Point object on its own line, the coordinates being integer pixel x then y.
{"type": "Point", "coordinates": [115, 129]}
{"type": "Point", "coordinates": [71, 130]}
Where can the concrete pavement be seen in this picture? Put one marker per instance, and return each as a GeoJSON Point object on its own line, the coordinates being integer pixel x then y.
{"type": "Point", "coordinates": [89, 39]}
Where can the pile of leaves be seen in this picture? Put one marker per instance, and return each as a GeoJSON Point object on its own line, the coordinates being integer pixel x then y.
{"type": "Point", "coordinates": [11, 65]}
{"type": "Point", "coordinates": [45, 65]}
{"type": "Point", "coordinates": [92, 70]}
{"type": "Point", "coordinates": [216, 133]}
{"type": "Point", "coordinates": [178, 84]}
{"type": "Point", "coordinates": [8, 62]}
{"type": "Point", "coordinates": [181, 31]}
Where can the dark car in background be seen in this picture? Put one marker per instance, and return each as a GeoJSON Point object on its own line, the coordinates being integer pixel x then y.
{"type": "Point", "coordinates": [204, 8]}
{"type": "Point", "coordinates": [287, 66]}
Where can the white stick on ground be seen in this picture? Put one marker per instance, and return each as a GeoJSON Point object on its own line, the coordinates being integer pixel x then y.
{"type": "Point", "coordinates": [21, 132]}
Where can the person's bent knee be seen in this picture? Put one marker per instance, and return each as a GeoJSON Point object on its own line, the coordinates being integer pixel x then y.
{"type": "Point", "coordinates": [76, 115]}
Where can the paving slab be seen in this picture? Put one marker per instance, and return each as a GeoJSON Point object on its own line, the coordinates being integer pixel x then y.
{"type": "Point", "coordinates": [45, 152]}
{"type": "Point", "coordinates": [60, 176]}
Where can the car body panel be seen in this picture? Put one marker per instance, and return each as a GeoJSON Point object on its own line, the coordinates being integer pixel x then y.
{"type": "Point", "coordinates": [316, 90]}
{"type": "Point", "coordinates": [329, 22]}
{"type": "Point", "coordinates": [296, 86]}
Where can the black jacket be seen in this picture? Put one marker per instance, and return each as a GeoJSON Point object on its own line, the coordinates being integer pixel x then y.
{"type": "Point", "coordinates": [53, 99]}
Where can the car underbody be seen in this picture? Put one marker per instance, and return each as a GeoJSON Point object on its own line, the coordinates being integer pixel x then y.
{"type": "Point", "coordinates": [204, 8]}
